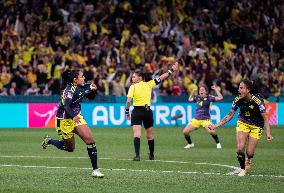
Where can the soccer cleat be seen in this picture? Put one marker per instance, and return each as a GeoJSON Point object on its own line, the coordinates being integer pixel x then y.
{"type": "Point", "coordinates": [242, 173]}
{"type": "Point", "coordinates": [218, 146]}
{"type": "Point", "coordinates": [136, 158]}
{"type": "Point", "coordinates": [188, 146]}
{"type": "Point", "coordinates": [236, 171]}
{"type": "Point", "coordinates": [97, 174]}
{"type": "Point", "coordinates": [151, 157]}
{"type": "Point", "coordinates": [248, 165]}
{"type": "Point", "coordinates": [45, 143]}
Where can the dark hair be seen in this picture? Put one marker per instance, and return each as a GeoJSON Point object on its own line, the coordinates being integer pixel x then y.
{"type": "Point", "coordinates": [68, 77]}
{"type": "Point", "coordinates": [253, 86]}
{"type": "Point", "coordinates": [139, 73]}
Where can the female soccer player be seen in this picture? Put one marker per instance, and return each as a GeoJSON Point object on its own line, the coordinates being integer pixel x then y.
{"type": "Point", "coordinates": [202, 114]}
{"type": "Point", "coordinates": [69, 119]}
{"type": "Point", "coordinates": [140, 93]}
{"type": "Point", "coordinates": [252, 119]}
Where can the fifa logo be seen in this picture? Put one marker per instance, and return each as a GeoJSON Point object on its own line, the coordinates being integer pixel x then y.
{"type": "Point", "coordinates": [48, 115]}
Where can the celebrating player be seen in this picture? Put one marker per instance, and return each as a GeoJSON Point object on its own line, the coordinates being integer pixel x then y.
{"type": "Point", "coordinates": [252, 118]}
{"type": "Point", "coordinates": [202, 114]}
{"type": "Point", "coordinates": [69, 119]}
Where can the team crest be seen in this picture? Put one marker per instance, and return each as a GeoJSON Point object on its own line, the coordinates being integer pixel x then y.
{"type": "Point", "coordinates": [69, 95]}
{"type": "Point", "coordinates": [251, 106]}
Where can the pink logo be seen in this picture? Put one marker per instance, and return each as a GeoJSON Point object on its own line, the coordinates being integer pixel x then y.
{"type": "Point", "coordinates": [42, 115]}
{"type": "Point", "coordinates": [271, 109]}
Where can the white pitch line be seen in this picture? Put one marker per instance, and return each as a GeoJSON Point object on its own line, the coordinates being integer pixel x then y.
{"type": "Point", "coordinates": [162, 161]}
{"type": "Point", "coordinates": [235, 169]}
{"type": "Point", "coordinates": [133, 170]}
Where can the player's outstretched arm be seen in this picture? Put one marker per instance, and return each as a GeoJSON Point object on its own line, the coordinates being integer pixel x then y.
{"type": "Point", "coordinates": [267, 127]}
{"type": "Point", "coordinates": [191, 96]}
{"type": "Point", "coordinates": [226, 119]}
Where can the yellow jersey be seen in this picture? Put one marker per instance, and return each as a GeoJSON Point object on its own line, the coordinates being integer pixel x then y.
{"type": "Point", "coordinates": [141, 93]}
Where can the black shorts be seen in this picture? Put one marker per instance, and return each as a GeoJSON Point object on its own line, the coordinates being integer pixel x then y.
{"type": "Point", "coordinates": [141, 115]}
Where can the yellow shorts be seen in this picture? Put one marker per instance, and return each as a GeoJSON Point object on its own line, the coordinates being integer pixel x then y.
{"type": "Point", "coordinates": [65, 127]}
{"type": "Point", "coordinates": [254, 131]}
{"type": "Point", "coordinates": [200, 123]}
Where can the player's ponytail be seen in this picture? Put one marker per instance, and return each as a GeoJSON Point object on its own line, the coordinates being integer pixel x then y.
{"type": "Point", "coordinates": [256, 87]}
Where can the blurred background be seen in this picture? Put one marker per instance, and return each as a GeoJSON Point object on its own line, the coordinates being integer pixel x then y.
{"type": "Point", "coordinates": [216, 42]}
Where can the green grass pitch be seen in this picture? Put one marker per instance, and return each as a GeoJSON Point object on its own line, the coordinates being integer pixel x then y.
{"type": "Point", "coordinates": [26, 167]}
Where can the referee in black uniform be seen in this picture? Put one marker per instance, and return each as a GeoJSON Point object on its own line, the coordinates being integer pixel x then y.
{"type": "Point", "coordinates": [140, 93]}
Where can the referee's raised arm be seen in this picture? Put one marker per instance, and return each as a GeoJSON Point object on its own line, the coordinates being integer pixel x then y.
{"type": "Point", "coordinates": [170, 71]}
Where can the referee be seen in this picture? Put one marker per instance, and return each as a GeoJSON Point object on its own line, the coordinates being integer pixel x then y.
{"type": "Point", "coordinates": [140, 93]}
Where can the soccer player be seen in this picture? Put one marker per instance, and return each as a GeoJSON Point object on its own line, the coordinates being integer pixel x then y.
{"type": "Point", "coordinates": [251, 121]}
{"type": "Point", "coordinates": [202, 114]}
{"type": "Point", "coordinates": [140, 93]}
{"type": "Point", "coordinates": [69, 119]}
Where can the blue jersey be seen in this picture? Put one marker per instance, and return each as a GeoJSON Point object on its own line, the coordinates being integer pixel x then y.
{"type": "Point", "coordinates": [71, 98]}
{"type": "Point", "coordinates": [203, 107]}
{"type": "Point", "coordinates": [250, 111]}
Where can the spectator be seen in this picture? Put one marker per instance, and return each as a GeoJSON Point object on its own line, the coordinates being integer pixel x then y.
{"type": "Point", "coordinates": [216, 40]}
{"type": "Point", "coordinates": [118, 88]}
{"type": "Point", "coordinates": [3, 92]}
{"type": "Point", "coordinates": [33, 91]}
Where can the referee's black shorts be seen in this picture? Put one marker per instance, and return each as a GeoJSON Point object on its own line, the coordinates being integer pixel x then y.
{"type": "Point", "coordinates": [142, 115]}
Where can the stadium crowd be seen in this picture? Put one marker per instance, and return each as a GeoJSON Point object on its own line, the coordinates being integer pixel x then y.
{"type": "Point", "coordinates": [216, 42]}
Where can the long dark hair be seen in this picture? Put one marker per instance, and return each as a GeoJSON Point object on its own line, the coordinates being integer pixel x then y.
{"type": "Point", "coordinates": [68, 77]}
{"type": "Point", "coordinates": [253, 86]}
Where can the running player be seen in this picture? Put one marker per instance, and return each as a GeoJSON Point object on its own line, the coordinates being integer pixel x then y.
{"type": "Point", "coordinates": [251, 121]}
{"type": "Point", "coordinates": [69, 119]}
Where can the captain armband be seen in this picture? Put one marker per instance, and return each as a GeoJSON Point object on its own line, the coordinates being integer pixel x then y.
{"type": "Point", "coordinates": [157, 80]}
{"type": "Point", "coordinates": [127, 111]}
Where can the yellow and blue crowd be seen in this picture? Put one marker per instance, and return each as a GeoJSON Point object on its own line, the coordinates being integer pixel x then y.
{"type": "Point", "coordinates": [219, 42]}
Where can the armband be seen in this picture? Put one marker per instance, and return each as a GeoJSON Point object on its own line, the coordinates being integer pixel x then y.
{"type": "Point", "coordinates": [157, 80]}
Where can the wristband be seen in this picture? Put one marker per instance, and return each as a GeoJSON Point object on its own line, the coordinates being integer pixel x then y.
{"type": "Point", "coordinates": [170, 72]}
{"type": "Point", "coordinates": [127, 111]}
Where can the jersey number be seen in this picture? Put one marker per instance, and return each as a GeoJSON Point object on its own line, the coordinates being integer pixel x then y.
{"type": "Point", "coordinates": [247, 114]}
